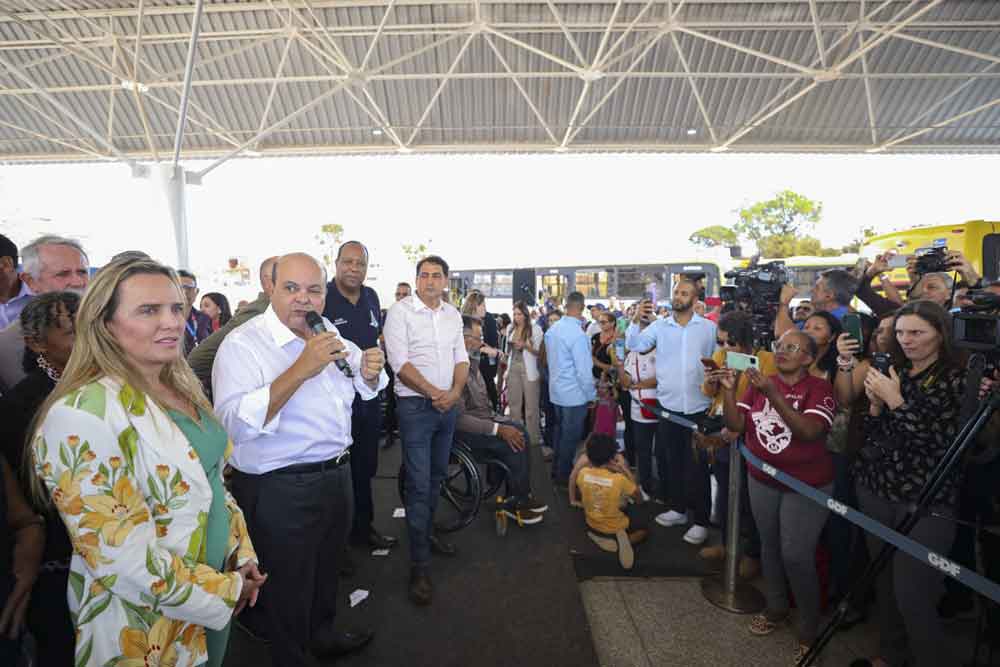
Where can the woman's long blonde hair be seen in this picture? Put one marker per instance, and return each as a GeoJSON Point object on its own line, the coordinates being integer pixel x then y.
{"type": "Point", "coordinates": [97, 353]}
{"type": "Point", "coordinates": [473, 300]}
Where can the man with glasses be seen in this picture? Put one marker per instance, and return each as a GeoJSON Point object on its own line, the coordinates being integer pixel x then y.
{"type": "Point", "coordinates": [354, 309]}
{"type": "Point", "coordinates": [197, 325]}
{"type": "Point", "coordinates": [425, 345]}
{"type": "Point", "coordinates": [682, 341]}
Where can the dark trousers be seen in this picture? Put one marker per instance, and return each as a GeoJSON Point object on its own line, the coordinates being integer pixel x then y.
{"type": "Point", "coordinates": [49, 620]}
{"type": "Point", "coordinates": [517, 462]}
{"type": "Point", "coordinates": [643, 436]}
{"type": "Point", "coordinates": [678, 469]}
{"type": "Point", "coordinates": [549, 412]}
{"type": "Point", "coordinates": [842, 538]}
{"type": "Point", "coordinates": [299, 525]}
{"type": "Point", "coordinates": [489, 372]}
{"type": "Point", "coordinates": [9, 648]}
{"type": "Point", "coordinates": [391, 418]}
{"type": "Point", "coordinates": [570, 423]}
{"type": "Point", "coordinates": [366, 424]}
{"type": "Point", "coordinates": [427, 438]}
{"type": "Point", "coordinates": [625, 402]}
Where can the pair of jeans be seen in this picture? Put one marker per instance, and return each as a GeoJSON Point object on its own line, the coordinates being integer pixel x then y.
{"type": "Point", "coordinates": [570, 421]}
{"type": "Point", "coordinates": [789, 526]}
{"type": "Point", "coordinates": [643, 436]}
{"type": "Point", "coordinates": [427, 436]}
{"type": "Point", "coordinates": [516, 461]}
{"type": "Point", "coordinates": [907, 590]}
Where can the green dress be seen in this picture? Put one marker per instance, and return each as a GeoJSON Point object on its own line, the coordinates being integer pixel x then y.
{"type": "Point", "coordinates": [209, 440]}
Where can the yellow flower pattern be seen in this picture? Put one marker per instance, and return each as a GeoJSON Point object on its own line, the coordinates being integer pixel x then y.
{"type": "Point", "coordinates": [133, 498]}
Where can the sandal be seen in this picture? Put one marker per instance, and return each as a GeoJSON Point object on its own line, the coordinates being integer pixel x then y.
{"type": "Point", "coordinates": [761, 625]}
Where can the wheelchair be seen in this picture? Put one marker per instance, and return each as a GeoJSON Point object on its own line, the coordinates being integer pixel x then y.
{"type": "Point", "coordinates": [471, 478]}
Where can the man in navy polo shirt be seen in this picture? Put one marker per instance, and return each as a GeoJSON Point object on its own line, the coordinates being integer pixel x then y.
{"type": "Point", "coordinates": [355, 310]}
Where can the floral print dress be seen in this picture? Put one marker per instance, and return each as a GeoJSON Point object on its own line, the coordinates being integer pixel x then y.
{"type": "Point", "coordinates": [135, 500]}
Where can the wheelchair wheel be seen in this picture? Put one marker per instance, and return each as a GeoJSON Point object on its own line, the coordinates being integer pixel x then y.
{"type": "Point", "coordinates": [461, 491]}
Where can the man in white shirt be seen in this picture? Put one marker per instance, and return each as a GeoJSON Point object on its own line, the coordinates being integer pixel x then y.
{"type": "Point", "coordinates": [287, 408]}
{"type": "Point", "coordinates": [425, 346]}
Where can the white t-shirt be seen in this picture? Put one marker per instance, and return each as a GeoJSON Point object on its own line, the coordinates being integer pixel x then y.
{"type": "Point", "coordinates": [593, 328]}
{"type": "Point", "coordinates": [641, 367]}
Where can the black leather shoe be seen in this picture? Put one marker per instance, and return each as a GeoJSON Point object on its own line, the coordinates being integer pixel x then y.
{"type": "Point", "coordinates": [378, 541]}
{"type": "Point", "coordinates": [337, 644]}
{"type": "Point", "coordinates": [442, 548]}
{"type": "Point", "coordinates": [420, 587]}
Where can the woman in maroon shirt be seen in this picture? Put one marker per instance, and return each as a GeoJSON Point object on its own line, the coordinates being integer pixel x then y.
{"type": "Point", "coordinates": [785, 419]}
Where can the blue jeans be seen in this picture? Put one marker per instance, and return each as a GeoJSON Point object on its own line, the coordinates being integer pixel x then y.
{"type": "Point", "coordinates": [570, 421]}
{"type": "Point", "coordinates": [427, 436]}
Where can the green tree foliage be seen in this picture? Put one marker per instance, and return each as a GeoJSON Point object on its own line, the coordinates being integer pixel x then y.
{"type": "Point", "coordinates": [714, 236]}
{"type": "Point", "coordinates": [860, 238]}
{"type": "Point", "coordinates": [787, 214]}
{"type": "Point", "coordinates": [330, 236]}
{"type": "Point", "coordinates": [416, 251]}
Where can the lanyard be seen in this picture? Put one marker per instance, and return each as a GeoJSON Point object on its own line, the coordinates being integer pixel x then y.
{"type": "Point", "coordinates": [192, 329]}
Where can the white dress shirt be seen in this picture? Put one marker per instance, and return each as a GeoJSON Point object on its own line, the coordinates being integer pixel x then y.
{"type": "Point", "coordinates": [313, 426]}
{"type": "Point", "coordinates": [430, 340]}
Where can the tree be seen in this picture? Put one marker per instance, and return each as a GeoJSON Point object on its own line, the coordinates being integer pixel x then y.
{"type": "Point", "coordinates": [860, 238]}
{"type": "Point", "coordinates": [330, 237]}
{"type": "Point", "coordinates": [714, 236]}
{"type": "Point", "coordinates": [787, 214]}
{"type": "Point", "coordinates": [416, 251]}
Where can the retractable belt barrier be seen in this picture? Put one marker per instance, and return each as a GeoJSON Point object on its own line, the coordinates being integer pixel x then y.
{"type": "Point", "coordinates": [970, 578]}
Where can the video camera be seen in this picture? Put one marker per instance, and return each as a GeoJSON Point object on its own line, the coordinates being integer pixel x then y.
{"type": "Point", "coordinates": [977, 327]}
{"type": "Point", "coordinates": [932, 260]}
{"type": "Point", "coordinates": [757, 290]}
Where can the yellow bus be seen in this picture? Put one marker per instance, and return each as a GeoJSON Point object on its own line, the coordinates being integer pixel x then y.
{"type": "Point", "coordinates": [979, 241]}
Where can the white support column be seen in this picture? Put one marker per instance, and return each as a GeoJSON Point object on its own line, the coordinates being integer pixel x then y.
{"type": "Point", "coordinates": [170, 180]}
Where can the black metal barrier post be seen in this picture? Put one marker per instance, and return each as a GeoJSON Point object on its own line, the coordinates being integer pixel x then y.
{"type": "Point", "coordinates": [726, 591]}
{"type": "Point", "coordinates": [952, 457]}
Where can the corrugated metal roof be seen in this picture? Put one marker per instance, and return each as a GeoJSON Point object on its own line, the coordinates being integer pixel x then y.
{"type": "Point", "coordinates": [932, 77]}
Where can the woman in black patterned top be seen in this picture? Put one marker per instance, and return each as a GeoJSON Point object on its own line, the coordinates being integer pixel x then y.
{"type": "Point", "coordinates": [912, 421]}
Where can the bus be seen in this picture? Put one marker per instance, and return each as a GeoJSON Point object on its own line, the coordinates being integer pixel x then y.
{"type": "Point", "coordinates": [598, 283]}
{"type": "Point", "coordinates": [979, 241]}
{"type": "Point", "coordinates": [805, 269]}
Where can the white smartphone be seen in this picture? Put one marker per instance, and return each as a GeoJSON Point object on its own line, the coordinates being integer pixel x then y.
{"type": "Point", "coordinates": [740, 362]}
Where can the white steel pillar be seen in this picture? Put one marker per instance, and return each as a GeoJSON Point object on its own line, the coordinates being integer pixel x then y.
{"type": "Point", "coordinates": [169, 181]}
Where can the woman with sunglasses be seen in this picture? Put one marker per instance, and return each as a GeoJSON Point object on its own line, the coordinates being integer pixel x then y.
{"type": "Point", "coordinates": [785, 420]}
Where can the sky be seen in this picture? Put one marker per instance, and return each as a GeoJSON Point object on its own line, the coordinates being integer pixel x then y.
{"type": "Point", "coordinates": [482, 211]}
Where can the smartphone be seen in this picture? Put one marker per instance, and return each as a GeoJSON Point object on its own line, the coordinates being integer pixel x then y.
{"type": "Point", "coordinates": [881, 361]}
{"type": "Point", "coordinates": [852, 326]}
{"type": "Point", "coordinates": [740, 362]}
{"type": "Point", "coordinates": [709, 364]}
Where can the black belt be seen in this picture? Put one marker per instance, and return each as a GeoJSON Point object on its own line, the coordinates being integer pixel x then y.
{"type": "Point", "coordinates": [321, 466]}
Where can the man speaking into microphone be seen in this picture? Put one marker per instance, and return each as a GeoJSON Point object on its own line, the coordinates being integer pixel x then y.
{"type": "Point", "coordinates": [287, 407]}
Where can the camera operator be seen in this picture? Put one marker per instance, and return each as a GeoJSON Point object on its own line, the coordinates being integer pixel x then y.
{"type": "Point", "coordinates": [832, 293]}
{"type": "Point", "coordinates": [912, 421]}
{"type": "Point", "coordinates": [785, 419]}
{"type": "Point", "coordinates": [879, 305]}
{"type": "Point", "coordinates": [930, 275]}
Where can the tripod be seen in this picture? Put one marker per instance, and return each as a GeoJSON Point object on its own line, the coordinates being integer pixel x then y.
{"type": "Point", "coordinates": [966, 436]}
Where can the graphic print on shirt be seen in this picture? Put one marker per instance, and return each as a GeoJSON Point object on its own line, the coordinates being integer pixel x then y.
{"type": "Point", "coordinates": [772, 432]}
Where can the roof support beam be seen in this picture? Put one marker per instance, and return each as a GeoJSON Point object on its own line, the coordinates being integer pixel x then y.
{"type": "Point", "coordinates": [520, 89]}
{"type": "Point", "coordinates": [945, 47]}
{"type": "Point", "coordinates": [748, 51]}
{"type": "Point", "coordinates": [440, 89]}
{"type": "Point", "coordinates": [694, 88]}
{"type": "Point", "coordinates": [872, 123]}
{"type": "Point", "coordinates": [189, 69]}
{"type": "Point", "coordinates": [622, 37]}
{"type": "Point", "coordinates": [607, 35]}
{"type": "Point", "coordinates": [274, 86]}
{"type": "Point", "coordinates": [817, 33]}
{"type": "Point", "coordinates": [565, 31]}
{"type": "Point", "coordinates": [112, 94]}
{"type": "Point", "coordinates": [378, 33]}
{"type": "Point", "coordinates": [45, 137]}
{"type": "Point", "coordinates": [538, 52]}
{"type": "Point", "coordinates": [884, 35]}
{"type": "Point", "coordinates": [936, 126]}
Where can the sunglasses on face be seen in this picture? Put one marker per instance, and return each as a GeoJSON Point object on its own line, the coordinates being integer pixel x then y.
{"type": "Point", "coordinates": [725, 343]}
{"type": "Point", "coordinates": [786, 348]}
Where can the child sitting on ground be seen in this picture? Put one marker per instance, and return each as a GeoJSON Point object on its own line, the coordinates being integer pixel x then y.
{"type": "Point", "coordinates": [606, 483]}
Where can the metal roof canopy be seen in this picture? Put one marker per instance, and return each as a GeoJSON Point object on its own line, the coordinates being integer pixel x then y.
{"type": "Point", "coordinates": [92, 79]}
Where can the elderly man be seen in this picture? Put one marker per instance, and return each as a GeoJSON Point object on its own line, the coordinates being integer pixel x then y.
{"type": "Point", "coordinates": [14, 292]}
{"type": "Point", "coordinates": [202, 358]}
{"type": "Point", "coordinates": [49, 264]}
{"type": "Point", "coordinates": [287, 407]}
{"type": "Point", "coordinates": [423, 338]}
{"type": "Point", "coordinates": [197, 325]}
{"type": "Point", "coordinates": [354, 309]}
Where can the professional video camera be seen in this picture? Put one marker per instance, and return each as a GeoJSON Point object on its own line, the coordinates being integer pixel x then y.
{"type": "Point", "coordinates": [757, 290]}
{"type": "Point", "coordinates": [977, 327]}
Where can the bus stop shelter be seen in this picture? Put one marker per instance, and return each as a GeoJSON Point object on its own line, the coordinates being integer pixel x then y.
{"type": "Point", "coordinates": [174, 89]}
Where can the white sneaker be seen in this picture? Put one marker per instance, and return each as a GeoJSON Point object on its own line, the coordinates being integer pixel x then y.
{"type": "Point", "coordinates": [645, 496]}
{"type": "Point", "coordinates": [696, 535]}
{"type": "Point", "coordinates": [671, 518]}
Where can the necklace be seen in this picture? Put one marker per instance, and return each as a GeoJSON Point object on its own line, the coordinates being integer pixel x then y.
{"type": "Point", "coordinates": [53, 373]}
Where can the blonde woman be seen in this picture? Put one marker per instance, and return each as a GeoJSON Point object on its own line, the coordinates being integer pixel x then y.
{"type": "Point", "coordinates": [131, 455]}
{"type": "Point", "coordinates": [524, 342]}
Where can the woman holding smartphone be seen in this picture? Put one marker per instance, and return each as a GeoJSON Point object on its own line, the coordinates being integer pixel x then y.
{"type": "Point", "coordinates": [524, 340]}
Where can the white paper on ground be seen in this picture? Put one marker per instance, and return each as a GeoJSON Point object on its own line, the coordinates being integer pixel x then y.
{"type": "Point", "coordinates": [358, 596]}
{"type": "Point", "coordinates": [380, 552]}
{"type": "Point", "coordinates": [399, 513]}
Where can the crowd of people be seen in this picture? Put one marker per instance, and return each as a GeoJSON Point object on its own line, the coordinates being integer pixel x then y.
{"type": "Point", "coordinates": [160, 451]}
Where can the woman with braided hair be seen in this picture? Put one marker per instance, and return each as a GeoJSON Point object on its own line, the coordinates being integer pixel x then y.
{"type": "Point", "coordinates": [47, 323]}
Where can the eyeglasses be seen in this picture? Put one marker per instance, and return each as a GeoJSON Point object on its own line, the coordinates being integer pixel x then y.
{"type": "Point", "coordinates": [785, 348]}
{"type": "Point", "coordinates": [190, 288]}
{"type": "Point", "coordinates": [726, 343]}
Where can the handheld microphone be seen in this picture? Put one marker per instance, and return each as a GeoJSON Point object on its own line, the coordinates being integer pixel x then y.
{"type": "Point", "coordinates": [315, 323]}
